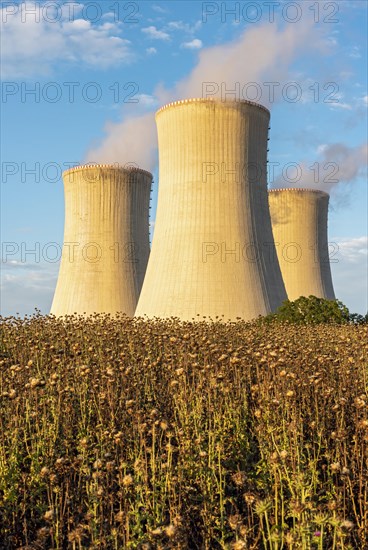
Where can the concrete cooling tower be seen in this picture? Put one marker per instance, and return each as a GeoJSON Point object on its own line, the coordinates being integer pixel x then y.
{"type": "Point", "coordinates": [106, 240]}
{"type": "Point", "coordinates": [212, 251]}
{"type": "Point", "coordinates": [299, 223]}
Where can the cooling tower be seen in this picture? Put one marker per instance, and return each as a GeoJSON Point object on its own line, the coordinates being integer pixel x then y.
{"type": "Point", "coordinates": [299, 223]}
{"type": "Point", "coordinates": [212, 252]}
{"type": "Point", "coordinates": [106, 240]}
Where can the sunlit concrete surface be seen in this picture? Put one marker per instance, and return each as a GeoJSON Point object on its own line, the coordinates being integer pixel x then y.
{"type": "Point", "coordinates": [299, 222]}
{"type": "Point", "coordinates": [212, 252]}
{"type": "Point", "coordinates": [106, 240]}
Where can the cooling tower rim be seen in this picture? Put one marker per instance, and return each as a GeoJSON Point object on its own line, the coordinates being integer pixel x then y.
{"type": "Point", "coordinates": [83, 167]}
{"type": "Point", "coordinates": [209, 100]}
{"type": "Point", "coordinates": [302, 189]}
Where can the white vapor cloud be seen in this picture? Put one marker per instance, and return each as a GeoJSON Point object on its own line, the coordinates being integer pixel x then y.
{"type": "Point", "coordinates": [341, 105]}
{"type": "Point", "coordinates": [273, 51]}
{"type": "Point", "coordinates": [158, 8]}
{"type": "Point", "coordinates": [260, 54]}
{"type": "Point", "coordinates": [194, 44]}
{"type": "Point", "coordinates": [153, 33]}
{"type": "Point", "coordinates": [132, 141]}
{"type": "Point", "coordinates": [147, 100]}
{"type": "Point", "coordinates": [349, 267]}
{"type": "Point", "coordinates": [32, 44]}
{"type": "Point", "coordinates": [151, 51]}
{"type": "Point", "coordinates": [25, 286]}
{"type": "Point", "coordinates": [334, 165]}
{"type": "Point", "coordinates": [185, 27]}
{"type": "Point", "coordinates": [352, 250]}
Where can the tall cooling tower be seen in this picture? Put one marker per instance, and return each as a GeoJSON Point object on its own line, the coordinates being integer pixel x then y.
{"type": "Point", "coordinates": [213, 251]}
{"type": "Point", "coordinates": [299, 223]}
{"type": "Point", "coordinates": [106, 240]}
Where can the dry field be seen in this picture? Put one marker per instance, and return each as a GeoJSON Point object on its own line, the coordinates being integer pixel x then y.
{"type": "Point", "coordinates": [129, 434]}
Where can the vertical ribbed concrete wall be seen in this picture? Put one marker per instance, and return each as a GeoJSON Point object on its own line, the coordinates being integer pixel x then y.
{"type": "Point", "coordinates": [299, 222]}
{"type": "Point", "coordinates": [212, 247]}
{"type": "Point", "coordinates": [106, 240]}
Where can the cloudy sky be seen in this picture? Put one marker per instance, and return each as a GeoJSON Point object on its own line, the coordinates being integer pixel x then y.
{"type": "Point", "coordinates": [81, 82]}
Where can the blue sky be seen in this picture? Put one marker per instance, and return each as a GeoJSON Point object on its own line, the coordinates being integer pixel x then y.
{"type": "Point", "coordinates": [81, 81]}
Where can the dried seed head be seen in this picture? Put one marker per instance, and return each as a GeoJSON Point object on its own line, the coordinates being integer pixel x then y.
{"type": "Point", "coordinates": [34, 382]}
{"type": "Point", "coordinates": [48, 515]}
{"type": "Point", "coordinates": [239, 478]}
{"type": "Point", "coordinates": [347, 524]}
{"type": "Point", "coordinates": [170, 530]}
{"type": "Point", "coordinates": [97, 464]}
{"type": "Point", "coordinates": [110, 466]}
{"type": "Point", "coordinates": [233, 521]}
{"type": "Point", "coordinates": [127, 480]}
{"type": "Point", "coordinates": [43, 533]}
{"type": "Point", "coordinates": [119, 517]}
{"type": "Point", "coordinates": [249, 498]}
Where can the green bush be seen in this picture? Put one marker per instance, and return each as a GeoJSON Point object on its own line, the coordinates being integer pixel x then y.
{"type": "Point", "coordinates": [311, 311]}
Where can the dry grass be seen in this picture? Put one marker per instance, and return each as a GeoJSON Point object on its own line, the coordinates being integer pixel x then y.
{"type": "Point", "coordinates": [127, 434]}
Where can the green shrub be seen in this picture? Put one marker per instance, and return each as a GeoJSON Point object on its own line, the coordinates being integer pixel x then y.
{"type": "Point", "coordinates": [311, 311]}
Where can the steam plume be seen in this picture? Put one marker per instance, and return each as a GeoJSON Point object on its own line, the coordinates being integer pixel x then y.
{"type": "Point", "coordinates": [261, 54]}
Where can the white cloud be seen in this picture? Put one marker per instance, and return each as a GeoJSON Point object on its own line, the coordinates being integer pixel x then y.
{"type": "Point", "coordinates": [27, 286]}
{"type": "Point", "coordinates": [355, 53]}
{"type": "Point", "coordinates": [352, 250]}
{"type": "Point", "coordinates": [185, 27]}
{"type": "Point", "coordinates": [365, 100]}
{"type": "Point", "coordinates": [194, 44]}
{"type": "Point", "coordinates": [341, 105]}
{"type": "Point", "coordinates": [151, 51]}
{"type": "Point", "coordinates": [147, 100]}
{"type": "Point", "coordinates": [153, 33]}
{"type": "Point", "coordinates": [332, 41]}
{"type": "Point", "coordinates": [35, 45]}
{"type": "Point", "coordinates": [158, 8]}
{"type": "Point", "coordinates": [349, 266]}
{"type": "Point", "coordinates": [321, 148]}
